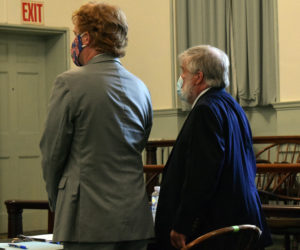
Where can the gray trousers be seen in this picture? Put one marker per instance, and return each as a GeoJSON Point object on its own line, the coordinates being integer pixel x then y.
{"type": "Point", "coordinates": [124, 245]}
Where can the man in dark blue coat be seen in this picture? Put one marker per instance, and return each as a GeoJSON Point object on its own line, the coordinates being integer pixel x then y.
{"type": "Point", "coordinates": [209, 179]}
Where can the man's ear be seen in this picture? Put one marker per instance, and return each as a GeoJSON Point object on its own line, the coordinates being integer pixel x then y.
{"type": "Point", "coordinates": [198, 77]}
{"type": "Point", "coordinates": [86, 39]}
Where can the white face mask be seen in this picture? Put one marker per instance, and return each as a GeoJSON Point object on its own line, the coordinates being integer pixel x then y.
{"type": "Point", "coordinates": [183, 93]}
{"type": "Point", "coordinates": [179, 86]}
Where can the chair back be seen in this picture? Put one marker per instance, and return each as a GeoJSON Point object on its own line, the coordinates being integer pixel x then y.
{"type": "Point", "coordinates": [241, 237]}
{"type": "Point", "coordinates": [279, 186]}
{"type": "Point", "coordinates": [282, 152]}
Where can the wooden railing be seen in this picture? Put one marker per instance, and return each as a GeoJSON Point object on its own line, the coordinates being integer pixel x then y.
{"type": "Point", "coordinates": [261, 168]}
{"type": "Point", "coordinates": [278, 167]}
{"type": "Point", "coordinates": [151, 159]}
{"type": "Point", "coordinates": [276, 139]}
{"type": "Point", "coordinates": [152, 146]}
{"type": "Point", "coordinates": [151, 149]}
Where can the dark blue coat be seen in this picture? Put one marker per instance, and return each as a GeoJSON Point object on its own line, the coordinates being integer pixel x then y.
{"type": "Point", "coordinates": [209, 179]}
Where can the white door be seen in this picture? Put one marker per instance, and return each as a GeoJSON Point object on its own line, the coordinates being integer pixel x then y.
{"type": "Point", "coordinates": [22, 112]}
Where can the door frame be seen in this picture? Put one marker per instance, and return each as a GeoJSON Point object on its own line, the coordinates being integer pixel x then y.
{"type": "Point", "coordinates": [57, 60]}
{"type": "Point", "coordinates": [57, 53]}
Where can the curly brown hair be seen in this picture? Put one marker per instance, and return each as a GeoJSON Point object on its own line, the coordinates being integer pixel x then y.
{"type": "Point", "coordinates": [106, 25]}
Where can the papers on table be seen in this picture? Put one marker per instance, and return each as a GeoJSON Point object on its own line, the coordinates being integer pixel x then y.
{"type": "Point", "coordinates": [42, 237]}
{"type": "Point", "coordinates": [31, 245]}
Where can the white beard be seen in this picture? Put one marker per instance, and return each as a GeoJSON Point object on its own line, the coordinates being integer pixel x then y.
{"type": "Point", "coordinates": [186, 92]}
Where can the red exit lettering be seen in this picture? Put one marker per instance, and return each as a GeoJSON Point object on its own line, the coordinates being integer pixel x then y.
{"type": "Point", "coordinates": [32, 12]}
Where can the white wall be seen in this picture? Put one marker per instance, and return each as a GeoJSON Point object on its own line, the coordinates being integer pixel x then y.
{"type": "Point", "coordinates": [289, 49]}
{"type": "Point", "coordinates": [149, 49]}
{"type": "Point", "coordinates": [150, 39]}
{"type": "Point", "coordinates": [57, 13]}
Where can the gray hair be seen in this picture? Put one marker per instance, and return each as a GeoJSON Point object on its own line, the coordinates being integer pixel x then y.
{"type": "Point", "coordinates": [213, 62]}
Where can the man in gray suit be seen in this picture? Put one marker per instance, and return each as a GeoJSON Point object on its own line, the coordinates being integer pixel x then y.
{"type": "Point", "coordinates": [98, 123]}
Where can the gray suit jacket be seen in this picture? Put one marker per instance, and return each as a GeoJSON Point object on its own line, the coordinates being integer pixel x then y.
{"type": "Point", "coordinates": [98, 123]}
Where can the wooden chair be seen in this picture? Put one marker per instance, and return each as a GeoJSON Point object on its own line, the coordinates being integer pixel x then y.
{"type": "Point", "coordinates": [279, 152]}
{"type": "Point", "coordinates": [243, 237]}
{"type": "Point", "coordinates": [281, 187]}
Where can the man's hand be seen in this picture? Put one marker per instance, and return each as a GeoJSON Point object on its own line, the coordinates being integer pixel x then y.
{"type": "Point", "coordinates": [177, 239]}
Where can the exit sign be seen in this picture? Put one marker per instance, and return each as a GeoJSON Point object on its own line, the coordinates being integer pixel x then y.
{"type": "Point", "coordinates": [32, 12]}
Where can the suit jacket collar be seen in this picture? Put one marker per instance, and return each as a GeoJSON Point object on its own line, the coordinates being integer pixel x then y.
{"type": "Point", "coordinates": [199, 96]}
{"type": "Point", "coordinates": [103, 58]}
{"type": "Point", "coordinates": [208, 93]}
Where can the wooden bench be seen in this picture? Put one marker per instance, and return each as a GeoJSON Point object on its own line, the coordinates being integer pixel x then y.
{"type": "Point", "coordinates": [15, 211]}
